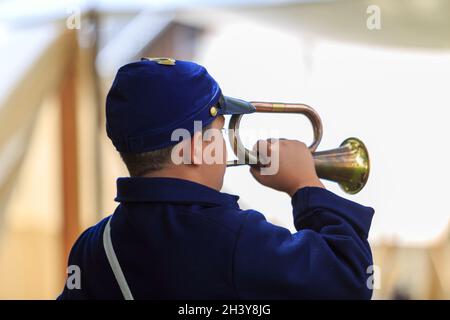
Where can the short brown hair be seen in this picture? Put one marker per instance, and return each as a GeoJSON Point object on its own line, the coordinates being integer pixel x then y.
{"type": "Point", "coordinates": [139, 164]}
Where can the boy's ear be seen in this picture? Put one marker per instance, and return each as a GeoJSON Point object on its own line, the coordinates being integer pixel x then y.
{"type": "Point", "coordinates": [197, 148]}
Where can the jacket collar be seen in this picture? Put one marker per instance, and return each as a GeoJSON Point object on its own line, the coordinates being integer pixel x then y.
{"type": "Point", "coordinates": [172, 190]}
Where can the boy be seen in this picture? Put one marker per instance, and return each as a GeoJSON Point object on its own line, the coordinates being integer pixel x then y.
{"type": "Point", "coordinates": [174, 235]}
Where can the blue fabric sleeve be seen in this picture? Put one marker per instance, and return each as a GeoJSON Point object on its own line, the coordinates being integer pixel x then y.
{"type": "Point", "coordinates": [327, 258]}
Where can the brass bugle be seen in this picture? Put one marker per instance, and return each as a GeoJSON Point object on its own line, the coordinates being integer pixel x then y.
{"type": "Point", "coordinates": [348, 165]}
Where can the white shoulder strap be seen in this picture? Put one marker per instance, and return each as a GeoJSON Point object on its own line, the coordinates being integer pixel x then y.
{"type": "Point", "coordinates": [114, 263]}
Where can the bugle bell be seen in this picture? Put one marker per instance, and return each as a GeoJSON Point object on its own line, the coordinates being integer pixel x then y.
{"type": "Point", "coordinates": [348, 165]}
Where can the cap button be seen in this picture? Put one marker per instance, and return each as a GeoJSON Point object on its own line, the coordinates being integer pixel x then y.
{"type": "Point", "coordinates": [213, 111]}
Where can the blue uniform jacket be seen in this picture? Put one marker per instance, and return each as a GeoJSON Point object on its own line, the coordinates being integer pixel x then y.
{"type": "Point", "coordinates": [176, 239]}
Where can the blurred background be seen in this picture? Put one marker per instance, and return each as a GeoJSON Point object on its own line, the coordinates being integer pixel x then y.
{"type": "Point", "coordinates": [377, 69]}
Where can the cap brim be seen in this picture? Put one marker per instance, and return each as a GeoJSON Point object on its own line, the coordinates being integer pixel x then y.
{"type": "Point", "coordinates": [229, 105]}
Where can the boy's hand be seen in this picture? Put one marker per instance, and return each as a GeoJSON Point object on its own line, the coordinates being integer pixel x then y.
{"type": "Point", "coordinates": [295, 168]}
